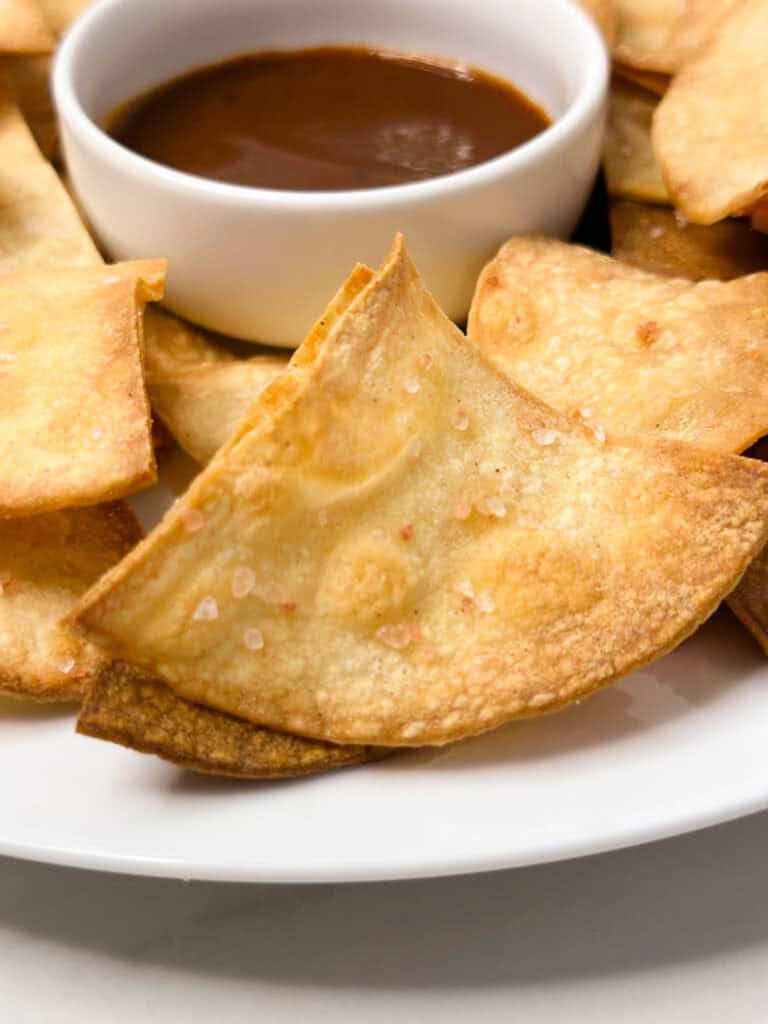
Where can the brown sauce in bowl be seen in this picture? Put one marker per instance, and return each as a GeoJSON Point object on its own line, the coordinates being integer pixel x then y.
{"type": "Point", "coordinates": [328, 118]}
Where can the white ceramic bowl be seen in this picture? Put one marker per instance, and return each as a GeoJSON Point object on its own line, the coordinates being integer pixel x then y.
{"type": "Point", "coordinates": [260, 263]}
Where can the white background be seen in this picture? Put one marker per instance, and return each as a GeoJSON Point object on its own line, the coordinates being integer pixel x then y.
{"type": "Point", "coordinates": [672, 932]}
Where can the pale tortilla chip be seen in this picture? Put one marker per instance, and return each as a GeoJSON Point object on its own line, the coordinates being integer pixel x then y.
{"type": "Point", "coordinates": [710, 134]}
{"type": "Point", "coordinates": [604, 16]}
{"type": "Point", "coordinates": [30, 81]}
{"type": "Point", "coordinates": [650, 237]}
{"type": "Point", "coordinates": [61, 13]}
{"type": "Point", "coordinates": [46, 563]}
{"type": "Point", "coordinates": [127, 706]}
{"type": "Point", "coordinates": [400, 547]}
{"type": "Point", "coordinates": [664, 35]}
{"type": "Point", "coordinates": [173, 345]}
{"type": "Point", "coordinates": [651, 81]}
{"type": "Point", "coordinates": [39, 226]}
{"type": "Point", "coordinates": [202, 406]}
{"type": "Point", "coordinates": [641, 353]}
{"type": "Point", "coordinates": [23, 29]}
{"type": "Point", "coordinates": [74, 420]}
{"type": "Point", "coordinates": [630, 167]}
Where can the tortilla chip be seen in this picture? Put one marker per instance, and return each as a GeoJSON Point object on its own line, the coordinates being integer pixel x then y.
{"type": "Point", "coordinates": [630, 167]}
{"type": "Point", "coordinates": [74, 420]}
{"type": "Point", "coordinates": [129, 707]}
{"type": "Point", "coordinates": [61, 13]}
{"type": "Point", "coordinates": [749, 601]}
{"type": "Point", "coordinates": [651, 81]}
{"type": "Point", "coordinates": [650, 237]}
{"type": "Point", "coordinates": [759, 216]}
{"type": "Point", "coordinates": [23, 29]}
{"type": "Point", "coordinates": [709, 133]}
{"type": "Point", "coordinates": [39, 227]}
{"type": "Point", "coordinates": [202, 406]}
{"type": "Point", "coordinates": [604, 16]}
{"type": "Point", "coordinates": [640, 352]}
{"type": "Point", "coordinates": [30, 81]}
{"type": "Point", "coordinates": [47, 563]}
{"type": "Point", "coordinates": [664, 35]}
{"type": "Point", "coordinates": [173, 345]}
{"type": "Point", "coordinates": [399, 546]}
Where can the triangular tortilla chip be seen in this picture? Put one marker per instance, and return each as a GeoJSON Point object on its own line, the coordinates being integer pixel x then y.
{"type": "Point", "coordinates": [710, 134]}
{"type": "Point", "coordinates": [632, 352]}
{"type": "Point", "coordinates": [23, 29]}
{"type": "Point", "coordinates": [173, 345]}
{"type": "Point", "coordinates": [651, 81]}
{"type": "Point", "coordinates": [202, 406]}
{"type": "Point", "coordinates": [127, 706]}
{"type": "Point", "coordinates": [39, 226]}
{"type": "Point", "coordinates": [60, 14]}
{"type": "Point", "coordinates": [47, 563]}
{"type": "Point", "coordinates": [399, 546]}
{"type": "Point", "coordinates": [630, 166]}
{"type": "Point", "coordinates": [663, 35]}
{"type": "Point", "coordinates": [651, 238]}
{"type": "Point", "coordinates": [74, 420]}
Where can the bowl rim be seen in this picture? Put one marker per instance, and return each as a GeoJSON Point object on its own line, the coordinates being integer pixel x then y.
{"type": "Point", "coordinates": [584, 107]}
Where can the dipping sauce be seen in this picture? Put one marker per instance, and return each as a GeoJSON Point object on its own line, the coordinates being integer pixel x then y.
{"type": "Point", "coordinates": [328, 118]}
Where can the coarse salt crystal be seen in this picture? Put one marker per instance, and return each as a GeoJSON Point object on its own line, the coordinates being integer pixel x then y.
{"type": "Point", "coordinates": [7, 357]}
{"type": "Point", "coordinates": [243, 582]}
{"type": "Point", "coordinates": [485, 602]}
{"type": "Point", "coordinates": [493, 506]}
{"type": "Point", "coordinates": [411, 386]}
{"type": "Point", "coordinates": [463, 510]}
{"type": "Point", "coordinates": [112, 279]}
{"type": "Point", "coordinates": [193, 519]}
{"type": "Point", "coordinates": [599, 433]}
{"type": "Point", "coordinates": [206, 610]}
{"type": "Point", "coordinates": [466, 589]}
{"type": "Point", "coordinates": [545, 436]}
{"type": "Point", "coordinates": [585, 413]}
{"type": "Point", "coordinates": [416, 448]}
{"type": "Point", "coordinates": [66, 665]}
{"type": "Point", "coordinates": [253, 638]}
{"type": "Point", "coordinates": [460, 419]}
{"type": "Point", "coordinates": [563, 363]}
{"type": "Point", "coordinates": [97, 435]}
{"type": "Point", "coordinates": [680, 219]}
{"type": "Point", "coordinates": [395, 636]}
{"type": "Point", "coordinates": [656, 231]}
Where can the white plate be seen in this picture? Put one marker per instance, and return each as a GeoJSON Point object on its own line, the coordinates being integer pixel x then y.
{"type": "Point", "coordinates": [677, 746]}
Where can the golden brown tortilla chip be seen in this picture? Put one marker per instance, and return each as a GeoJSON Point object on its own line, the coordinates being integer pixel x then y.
{"type": "Point", "coordinates": [604, 16]}
{"type": "Point", "coordinates": [399, 546]}
{"type": "Point", "coordinates": [30, 82]}
{"type": "Point", "coordinates": [127, 706]}
{"type": "Point", "coordinates": [651, 81]}
{"type": "Point", "coordinates": [74, 420]}
{"type": "Point", "coordinates": [749, 601]}
{"type": "Point", "coordinates": [630, 167]}
{"type": "Point", "coordinates": [46, 563]}
{"type": "Point", "coordinates": [710, 134]}
{"type": "Point", "coordinates": [202, 406]}
{"type": "Point", "coordinates": [633, 352]}
{"type": "Point", "coordinates": [39, 226]}
{"type": "Point", "coordinates": [60, 14]}
{"type": "Point", "coordinates": [23, 29]}
{"type": "Point", "coordinates": [664, 35]}
{"type": "Point", "coordinates": [651, 238]}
